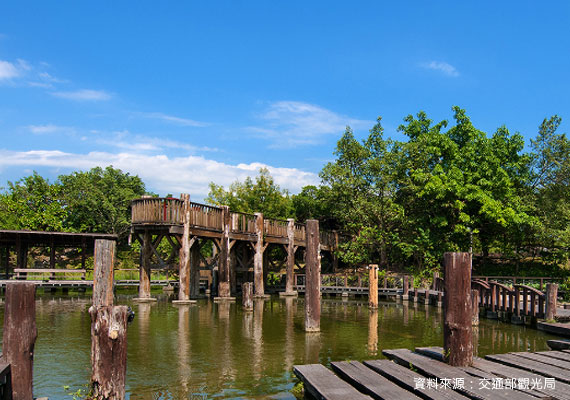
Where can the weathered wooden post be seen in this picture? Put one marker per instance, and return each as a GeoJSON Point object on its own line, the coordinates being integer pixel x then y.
{"type": "Point", "coordinates": [551, 295]}
{"type": "Point", "coordinates": [20, 335]}
{"type": "Point", "coordinates": [313, 278]}
{"type": "Point", "coordinates": [103, 279]}
{"type": "Point", "coordinates": [184, 255]}
{"type": "Point", "coordinates": [289, 283]}
{"type": "Point", "coordinates": [475, 307]}
{"type": "Point", "coordinates": [258, 257]}
{"type": "Point", "coordinates": [224, 260]}
{"type": "Point", "coordinates": [144, 272]}
{"type": "Point", "coordinates": [195, 269]}
{"type": "Point", "coordinates": [108, 329]}
{"type": "Point", "coordinates": [405, 287]}
{"type": "Point", "coordinates": [373, 287]}
{"type": "Point", "coordinates": [457, 328]}
{"type": "Point", "coordinates": [247, 295]}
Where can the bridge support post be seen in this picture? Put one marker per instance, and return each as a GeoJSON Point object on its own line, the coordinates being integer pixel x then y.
{"type": "Point", "coordinates": [551, 295]}
{"type": "Point", "coordinates": [457, 328]}
{"type": "Point", "coordinates": [195, 269]}
{"type": "Point", "coordinates": [144, 271]}
{"type": "Point", "coordinates": [184, 255]}
{"type": "Point", "coordinates": [225, 258]}
{"type": "Point", "coordinates": [289, 283]}
{"type": "Point", "coordinates": [258, 257]}
{"type": "Point", "coordinates": [19, 338]}
{"type": "Point", "coordinates": [313, 278]}
{"type": "Point", "coordinates": [475, 307]}
{"type": "Point", "coordinates": [373, 287]}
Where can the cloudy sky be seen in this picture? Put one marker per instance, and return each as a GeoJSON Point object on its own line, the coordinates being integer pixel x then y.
{"type": "Point", "coordinates": [184, 93]}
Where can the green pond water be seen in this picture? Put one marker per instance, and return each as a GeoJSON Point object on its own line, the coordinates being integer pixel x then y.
{"type": "Point", "coordinates": [212, 350]}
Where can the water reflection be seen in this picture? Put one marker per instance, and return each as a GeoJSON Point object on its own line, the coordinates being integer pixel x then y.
{"type": "Point", "coordinates": [218, 349]}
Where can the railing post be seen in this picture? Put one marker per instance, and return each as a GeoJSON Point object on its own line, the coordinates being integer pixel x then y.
{"type": "Point", "coordinates": [457, 328]}
{"type": "Point", "coordinates": [258, 257]}
{"type": "Point", "coordinates": [551, 296]}
{"type": "Point", "coordinates": [313, 278]}
{"type": "Point", "coordinates": [20, 335]}
{"type": "Point", "coordinates": [373, 286]}
{"type": "Point", "coordinates": [289, 283]}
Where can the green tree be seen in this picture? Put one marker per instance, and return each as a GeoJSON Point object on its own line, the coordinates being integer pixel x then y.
{"type": "Point", "coordinates": [263, 195]}
{"type": "Point", "coordinates": [99, 200]}
{"type": "Point", "coordinates": [32, 203]}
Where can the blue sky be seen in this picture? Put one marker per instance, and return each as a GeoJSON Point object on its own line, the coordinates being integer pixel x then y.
{"type": "Point", "coordinates": [183, 93]}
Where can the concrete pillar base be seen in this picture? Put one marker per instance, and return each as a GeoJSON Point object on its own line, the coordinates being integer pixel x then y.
{"type": "Point", "coordinates": [224, 299]}
{"type": "Point", "coordinates": [517, 320]}
{"type": "Point", "coordinates": [144, 300]}
{"type": "Point", "coordinates": [183, 302]}
{"type": "Point", "coordinates": [492, 315]}
{"type": "Point", "coordinates": [288, 294]}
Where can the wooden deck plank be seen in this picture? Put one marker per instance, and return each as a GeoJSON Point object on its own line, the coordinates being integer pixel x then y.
{"type": "Point", "coordinates": [437, 369]}
{"type": "Point", "coordinates": [369, 382]}
{"type": "Point", "coordinates": [544, 359]}
{"type": "Point", "coordinates": [560, 392]}
{"type": "Point", "coordinates": [555, 354]}
{"type": "Point", "coordinates": [322, 383]}
{"type": "Point", "coordinates": [531, 365]}
{"type": "Point", "coordinates": [407, 379]}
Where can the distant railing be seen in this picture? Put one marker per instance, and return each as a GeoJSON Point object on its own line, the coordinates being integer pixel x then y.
{"type": "Point", "coordinates": [157, 210]}
{"type": "Point", "coordinates": [275, 227]}
{"type": "Point", "coordinates": [242, 223]}
{"type": "Point", "coordinates": [170, 211]}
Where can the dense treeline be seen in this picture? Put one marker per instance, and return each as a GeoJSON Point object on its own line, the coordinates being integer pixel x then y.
{"type": "Point", "coordinates": [403, 203]}
{"type": "Point", "coordinates": [453, 188]}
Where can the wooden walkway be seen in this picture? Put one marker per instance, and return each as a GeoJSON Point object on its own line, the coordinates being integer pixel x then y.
{"type": "Point", "coordinates": [423, 374]}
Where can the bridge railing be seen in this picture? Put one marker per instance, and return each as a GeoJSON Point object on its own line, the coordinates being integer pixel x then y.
{"type": "Point", "coordinates": [242, 223]}
{"type": "Point", "coordinates": [518, 299]}
{"type": "Point", "coordinates": [300, 230]}
{"type": "Point", "coordinates": [205, 216]}
{"type": "Point", "coordinates": [157, 210]}
{"type": "Point", "coordinates": [275, 227]}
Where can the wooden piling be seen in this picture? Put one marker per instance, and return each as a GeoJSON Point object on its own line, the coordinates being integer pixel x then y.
{"type": "Point", "coordinates": [313, 278]}
{"type": "Point", "coordinates": [457, 328]}
{"type": "Point", "coordinates": [258, 257]}
{"type": "Point", "coordinates": [144, 280]}
{"type": "Point", "coordinates": [373, 286]}
{"type": "Point", "coordinates": [195, 269]}
{"type": "Point", "coordinates": [551, 295]}
{"type": "Point", "coordinates": [289, 284]}
{"type": "Point", "coordinates": [247, 295]}
{"type": "Point", "coordinates": [224, 260]}
{"type": "Point", "coordinates": [475, 307]}
{"type": "Point", "coordinates": [184, 254]}
{"type": "Point", "coordinates": [405, 287]}
{"type": "Point", "coordinates": [109, 352]}
{"type": "Point", "coordinates": [103, 263]}
{"type": "Point", "coordinates": [20, 335]}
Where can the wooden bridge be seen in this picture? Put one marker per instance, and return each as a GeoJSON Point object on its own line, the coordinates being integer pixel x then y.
{"type": "Point", "coordinates": [241, 244]}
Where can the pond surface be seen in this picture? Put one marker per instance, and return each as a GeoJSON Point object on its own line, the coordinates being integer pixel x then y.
{"type": "Point", "coordinates": [212, 350]}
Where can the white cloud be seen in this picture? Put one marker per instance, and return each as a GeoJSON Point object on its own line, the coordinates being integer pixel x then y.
{"type": "Point", "coordinates": [190, 174]}
{"type": "Point", "coordinates": [83, 95]}
{"type": "Point", "coordinates": [294, 123]}
{"type": "Point", "coordinates": [173, 119]}
{"type": "Point", "coordinates": [49, 128]}
{"type": "Point", "coordinates": [443, 67]}
{"type": "Point", "coordinates": [8, 70]}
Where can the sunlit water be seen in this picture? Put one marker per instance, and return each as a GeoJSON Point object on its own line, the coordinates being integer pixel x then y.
{"type": "Point", "coordinates": [220, 351]}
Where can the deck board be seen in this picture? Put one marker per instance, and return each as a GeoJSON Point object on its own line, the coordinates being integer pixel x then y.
{"type": "Point", "coordinates": [407, 379]}
{"type": "Point", "coordinates": [531, 365]}
{"type": "Point", "coordinates": [565, 364]}
{"type": "Point", "coordinates": [370, 382]}
{"type": "Point", "coordinates": [437, 369]}
{"type": "Point", "coordinates": [322, 383]}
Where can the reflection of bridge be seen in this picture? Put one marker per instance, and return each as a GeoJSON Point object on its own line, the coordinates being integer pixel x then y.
{"type": "Point", "coordinates": [243, 245]}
